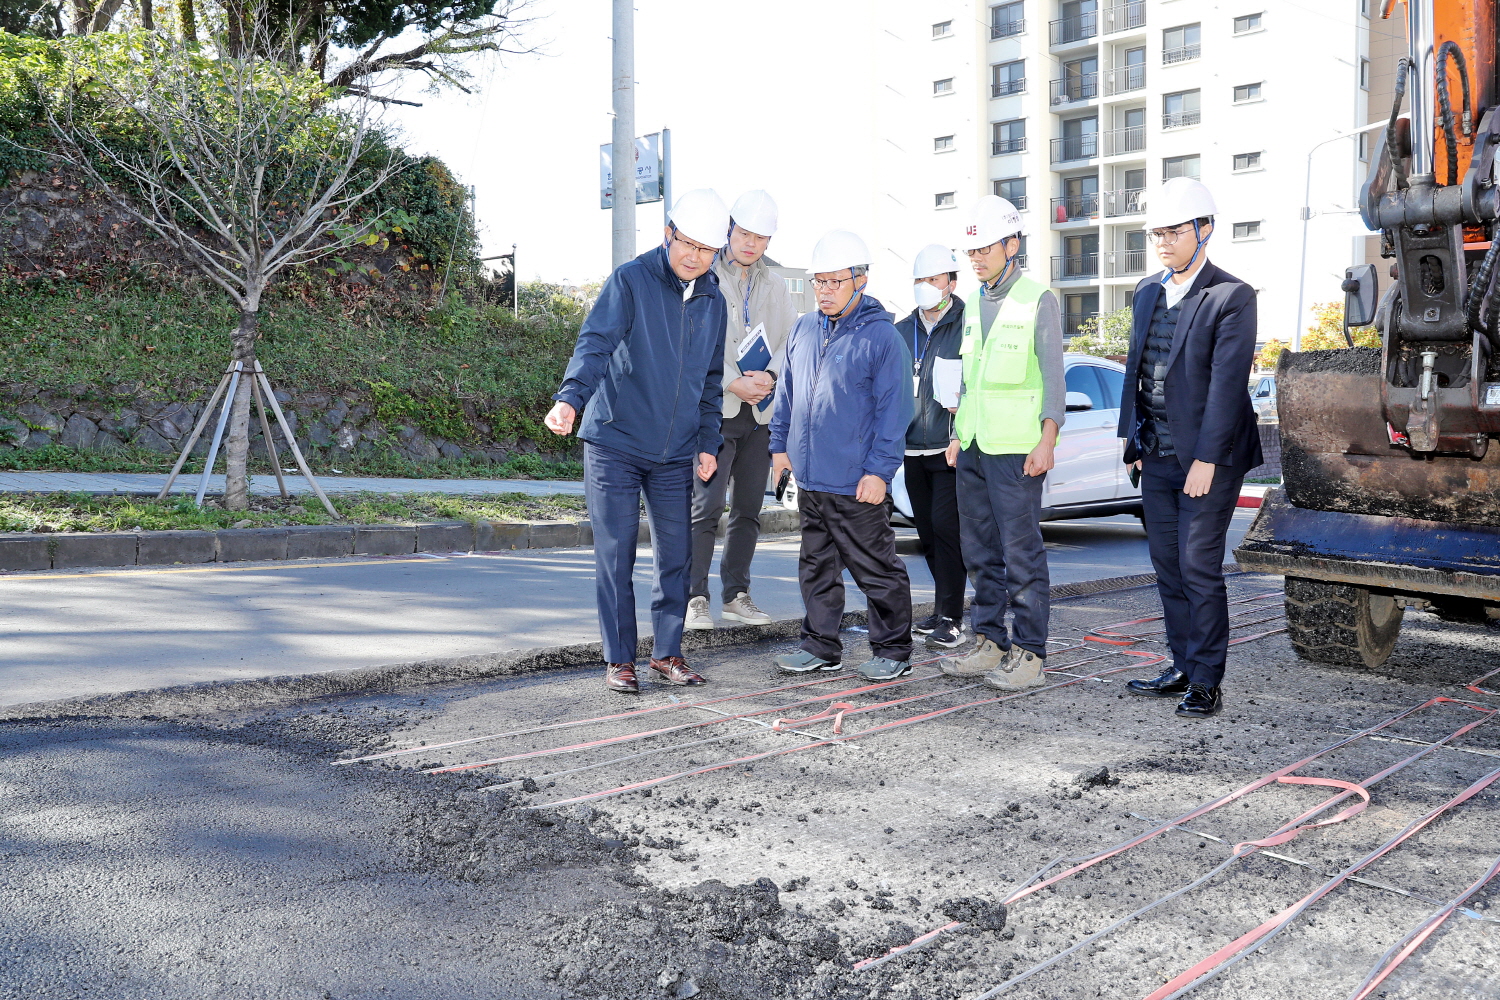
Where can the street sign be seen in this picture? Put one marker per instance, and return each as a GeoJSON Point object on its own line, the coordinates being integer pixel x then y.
{"type": "Point", "coordinates": [648, 172]}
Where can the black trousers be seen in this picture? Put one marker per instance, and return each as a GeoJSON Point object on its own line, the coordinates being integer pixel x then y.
{"type": "Point", "coordinates": [744, 464]}
{"type": "Point", "coordinates": [838, 532]}
{"type": "Point", "coordinates": [932, 485]}
{"type": "Point", "coordinates": [1186, 536]}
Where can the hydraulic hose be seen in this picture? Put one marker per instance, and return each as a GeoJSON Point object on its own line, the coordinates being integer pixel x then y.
{"type": "Point", "coordinates": [1402, 68]}
{"type": "Point", "coordinates": [1445, 102]}
{"type": "Point", "coordinates": [1483, 278]}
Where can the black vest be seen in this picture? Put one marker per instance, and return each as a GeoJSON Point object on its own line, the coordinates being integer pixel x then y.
{"type": "Point", "coordinates": [1151, 400]}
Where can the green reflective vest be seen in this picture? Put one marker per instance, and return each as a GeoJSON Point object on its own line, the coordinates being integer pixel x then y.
{"type": "Point", "coordinates": [1001, 406]}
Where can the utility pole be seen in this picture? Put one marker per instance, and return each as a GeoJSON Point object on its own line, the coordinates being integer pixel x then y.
{"type": "Point", "coordinates": [666, 176]}
{"type": "Point", "coordinates": [622, 154]}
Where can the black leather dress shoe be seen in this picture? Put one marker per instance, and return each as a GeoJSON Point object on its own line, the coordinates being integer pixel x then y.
{"type": "Point", "coordinates": [1200, 702]}
{"type": "Point", "coordinates": [1169, 685]}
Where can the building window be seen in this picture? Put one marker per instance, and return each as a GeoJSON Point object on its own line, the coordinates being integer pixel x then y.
{"type": "Point", "coordinates": [1180, 109]}
{"type": "Point", "coordinates": [1009, 137]}
{"type": "Point", "coordinates": [1013, 190]}
{"type": "Point", "coordinates": [943, 29]}
{"type": "Point", "coordinates": [1007, 78]}
{"type": "Point", "coordinates": [1181, 43]}
{"type": "Point", "coordinates": [1181, 166]}
{"type": "Point", "coordinates": [1247, 161]}
{"type": "Point", "coordinates": [1247, 230]}
{"type": "Point", "coordinates": [1364, 74]}
{"type": "Point", "coordinates": [942, 144]}
{"type": "Point", "coordinates": [944, 199]}
{"type": "Point", "coordinates": [1246, 22]}
{"type": "Point", "coordinates": [941, 87]}
{"type": "Point", "coordinates": [1362, 143]}
{"type": "Point", "coordinates": [1246, 92]}
{"type": "Point", "coordinates": [1007, 19]}
{"type": "Point", "coordinates": [793, 285]}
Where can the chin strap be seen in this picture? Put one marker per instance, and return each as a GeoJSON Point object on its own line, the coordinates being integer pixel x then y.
{"type": "Point", "coordinates": [1004, 271]}
{"type": "Point", "coordinates": [1202, 241]}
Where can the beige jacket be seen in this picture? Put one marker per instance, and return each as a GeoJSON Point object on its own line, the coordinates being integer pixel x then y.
{"type": "Point", "coordinates": [771, 304]}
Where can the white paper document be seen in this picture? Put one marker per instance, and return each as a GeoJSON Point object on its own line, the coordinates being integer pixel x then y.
{"type": "Point", "coordinates": [947, 379]}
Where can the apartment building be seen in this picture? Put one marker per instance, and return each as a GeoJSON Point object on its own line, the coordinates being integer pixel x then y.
{"type": "Point", "coordinates": [1078, 110]}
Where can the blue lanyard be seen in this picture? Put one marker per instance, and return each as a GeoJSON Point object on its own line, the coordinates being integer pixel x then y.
{"type": "Point", "coordinates": [746, 304]}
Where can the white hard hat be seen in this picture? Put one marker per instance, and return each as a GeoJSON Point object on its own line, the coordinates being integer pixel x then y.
{"type": "Point", "coordinates": [1182, 199]}
{"type": "Point", "coordinates": [991, 220]}
{"type": "Point", "coordinates": [700, 215]}
{"type": "Point", "coordinates": [934, 259]}
{"type": "Point", "coordinates": [838, 250]}
{"type": "Point", "coordinates": [755, 211]}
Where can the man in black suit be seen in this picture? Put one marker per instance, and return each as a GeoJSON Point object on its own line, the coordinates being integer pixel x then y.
{"type": "Point", "coordinates": [1190, 428]}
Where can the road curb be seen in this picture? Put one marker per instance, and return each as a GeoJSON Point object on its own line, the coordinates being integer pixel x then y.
{"type": "Point", "coordinates": [274, 692]}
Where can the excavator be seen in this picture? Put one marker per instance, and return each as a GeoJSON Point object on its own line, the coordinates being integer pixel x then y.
{"type": "Point", "coordinates": [1390, 456]}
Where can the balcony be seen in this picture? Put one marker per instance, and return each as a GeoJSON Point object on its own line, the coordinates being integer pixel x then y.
{"type": "Point", "coordinates": [1082, 87]}
{"type": "Point", "coordinates": [1074, 29]}
{"type": "Point", "coordinates": [1130, 139]}
{"type": "Point", "coordinates": [1075, 267]}
{"type": "Point", "coordinates": [1124, 80]}
{"type": "Point", "coordinates": [1126, 201]}
{"type": "Point", "coordinates": [1007, 87]}
{"type": "Point", "coordinates": [1124, 263]}
{"type": "Point", "coordinates": [1005, 29]}
{"type": "Point", "coordinates": [1181, 119]}
{"type": "Point", "coordinates": [1075, 147]}
{"type": "Point", "coordinates": [1073, 323]}
{"type": "Point", "coordinates": [1125, 16]}
{"type": "Point", "coordinates": [1185, 53]}
{"type": "Point", "coordinates": [1000, 146]}
{"type": "Point", "coordinates": [1020, 260]}
{"type": "Point", "coordinates": [1076, 207]}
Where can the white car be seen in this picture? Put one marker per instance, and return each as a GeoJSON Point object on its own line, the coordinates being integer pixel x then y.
{"type": "Point", "coordinates": [1089, 478]}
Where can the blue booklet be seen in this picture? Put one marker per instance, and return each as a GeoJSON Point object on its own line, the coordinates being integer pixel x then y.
{"type": "Point", "coordinates": [755, 356]}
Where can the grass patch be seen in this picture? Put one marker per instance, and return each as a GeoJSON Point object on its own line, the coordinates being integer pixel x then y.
{"type": "Point", "coordinates": [82, 512]}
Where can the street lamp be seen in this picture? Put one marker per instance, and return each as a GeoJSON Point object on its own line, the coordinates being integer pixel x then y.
{"type": "Point", "coordinates": [1307, 216]}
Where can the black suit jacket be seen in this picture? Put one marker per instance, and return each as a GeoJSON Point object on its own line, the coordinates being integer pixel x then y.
{"type": "Point", "coordinates": [1208, 372]}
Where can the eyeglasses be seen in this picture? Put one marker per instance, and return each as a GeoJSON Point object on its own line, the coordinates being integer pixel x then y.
{"type": "Point", "coordinates": [1166, 237]}
{"type": "Point", "coordinates": [828, 284]}
{"type": "Point", "coordinates": [695, 248]}
{"type": "Point", "coordinates": [985, 251]}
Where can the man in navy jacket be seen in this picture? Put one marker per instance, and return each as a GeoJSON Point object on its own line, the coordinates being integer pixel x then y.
{"type": "Point", "coordinates": [1190, 427]}
{"type": "Point", "coordinates": [647, 375]}
{"type": "Point", "coordinates": [842, 409]}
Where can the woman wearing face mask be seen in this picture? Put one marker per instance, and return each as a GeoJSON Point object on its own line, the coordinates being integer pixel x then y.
{"type": "Point", "coordinates": [933, 334]}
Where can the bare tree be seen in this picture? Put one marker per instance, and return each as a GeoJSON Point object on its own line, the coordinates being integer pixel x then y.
{"type": "Point", "coordinates": [239, 162]}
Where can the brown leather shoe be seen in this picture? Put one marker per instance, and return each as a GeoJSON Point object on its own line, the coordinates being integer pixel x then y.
{"type": "Point", "coordinates": [621, 677]}
{"type": "Point", "coordinates": [674, 670]}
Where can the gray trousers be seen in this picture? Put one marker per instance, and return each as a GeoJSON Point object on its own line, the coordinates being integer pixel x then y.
{"type": "Point", "coordinates": [999, 519]}
{"type": "Point", "coordinates": [744, 463]}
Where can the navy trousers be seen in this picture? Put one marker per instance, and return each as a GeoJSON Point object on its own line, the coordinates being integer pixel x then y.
{"type": "Point", "coordinates": [1186, 536]}
{"type": "Point", "coordinates": [1000, 524]}
{"type": "Point", "coordinates": [614, 483]}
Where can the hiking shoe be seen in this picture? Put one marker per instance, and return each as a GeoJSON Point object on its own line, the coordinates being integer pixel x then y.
{"type": "Point", "coordinates": [744, 611]}
{"type": "Point", "coordinates": [927, 624]}
{"type": "Point", "coordinates": [621, 677]}
{"type": "Point", "coordinates": [881, 668]}
{"type": "Point", "coordinates": [1022, 669]}
{"type": "Point", "coordinates": [698, 617]}
{"type": "Point", "coordinates": [803, 662]}
{"type": "Point", "coordinates": [981, 660]}
{"type": "Point", "coordinates": [674, 670]}
{"type": "Point", "coordinates": [947, 634]}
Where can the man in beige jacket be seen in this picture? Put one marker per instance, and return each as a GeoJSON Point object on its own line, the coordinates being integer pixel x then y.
{"type": "Point", "coordinates": [759, 307]}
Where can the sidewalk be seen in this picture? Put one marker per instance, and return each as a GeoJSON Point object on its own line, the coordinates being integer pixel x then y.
{"type": "Point", "coordinates": [130, 482]}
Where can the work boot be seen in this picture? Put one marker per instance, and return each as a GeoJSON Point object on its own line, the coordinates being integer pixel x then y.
{"type": "Point", "coordinates": [883, 668]}
{"type": "Point", "coordinates": [1022, 669]}
{"type": "Point", "coordinates": [698, 617]}
{"type": "Point", "coordinates": [1200, 702]}
{"type": "Point", "coordinates": [927, 624]}
{"type": "Point", "coordinates": [1169, 685]}
{"type": "Point", "coordinates": [744, 611]}
{"type": "Point", "coordinates": [803, 662]}
{"type": "Point", "coordinates": [948, 634]}
{"type": "Point", "coordinates": [674, 670]}
{"type": "Point", "coordinates": [621, 677]}
{"type": "Point", "coordinates": [981, 660]}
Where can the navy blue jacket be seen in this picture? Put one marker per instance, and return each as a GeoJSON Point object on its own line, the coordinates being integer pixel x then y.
{"type": "Point", "coordinates": [844, 400]}
{"type": "Point", "coordinates": [1208, 406]}
{"type": "Point", "coordinates": [647, 371]}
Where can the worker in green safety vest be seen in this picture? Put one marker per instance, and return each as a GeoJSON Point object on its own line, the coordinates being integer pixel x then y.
{"type": "Point", "coordinates": [1009, 415]}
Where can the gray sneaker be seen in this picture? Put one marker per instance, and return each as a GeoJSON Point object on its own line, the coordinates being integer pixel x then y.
{"type": "Point", "coordinates": [981, 660]}
{"type": "Point", "coordinates": [803, 662]}
{"type": "Point", "coordinates": [698, 617]}
{"type": "Point", "coordinates": [1022, 669]}
{"type": "Point", "coordinates": [880, 668]}
{"type": "Point", "coordinates": [744, 611]}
